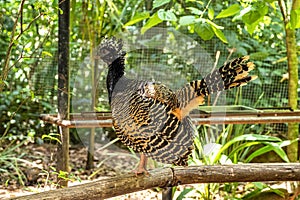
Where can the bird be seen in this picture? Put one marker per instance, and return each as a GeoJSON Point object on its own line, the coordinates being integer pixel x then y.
{"type": "Point", "coordinates": [151, 118]}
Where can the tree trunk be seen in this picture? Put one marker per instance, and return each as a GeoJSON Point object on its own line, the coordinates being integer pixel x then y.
{"type": "Point", "coordinates": [293, 128]}
{"type": "Point", "coordinates": [167, 177]}
{"type": "Point", "coordinates": [291, 49]}
{"type": "Point", "coordinates": [63, 97]}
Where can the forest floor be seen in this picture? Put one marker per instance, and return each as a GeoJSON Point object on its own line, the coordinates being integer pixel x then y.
{"type": "Point", "coordinates": [39, 168]}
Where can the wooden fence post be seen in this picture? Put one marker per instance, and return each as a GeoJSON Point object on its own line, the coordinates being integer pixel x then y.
{"type": "Point", "coordinates": [63, 97]}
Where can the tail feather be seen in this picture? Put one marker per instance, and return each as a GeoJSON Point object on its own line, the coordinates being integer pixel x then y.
{"type": "Point", "coordinates": [232, 74]}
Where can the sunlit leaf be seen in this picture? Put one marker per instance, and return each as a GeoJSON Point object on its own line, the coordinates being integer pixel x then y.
{"type": "Point", "coordinates": [231, 10]}
{"type": "Point", "coordinates": [270, 1]}
{"type": "Point", "coordinates": [195, 11]}
{"type": "Point", "coordinates": [137, 18]}
{"type": "Point", "coordinates": [251, 27]}
{"type": "Point", "coordinates": [187, 20]}
{"type": "Point", "coordinates": [158, 3]}
{"type": "Point", "coordinates": [211, 13]}
{"type": "Point", "coordinates": [47, 53]}
{"type": "Point", "coordinates": [295, 19]}
{"type": "Point", "coordinates": [166, 15]}
{"type": "Point", "coordinates": [247, 137]}
{"type": "Point", "coordinates": [220, 35]}
{"type": "Point", "coordinates": [154, 20]}
{"type": "Point", "coordinates": [260, 185]}
{"type": "Point", "coordinates": [213, 24]}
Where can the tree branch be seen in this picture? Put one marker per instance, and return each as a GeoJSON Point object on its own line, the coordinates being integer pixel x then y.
{"type": "Point", "coordinates": [167, 177]}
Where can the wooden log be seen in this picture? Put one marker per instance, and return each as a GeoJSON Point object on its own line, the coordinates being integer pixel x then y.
{"type": "Point", "coordinates": [166, 177]}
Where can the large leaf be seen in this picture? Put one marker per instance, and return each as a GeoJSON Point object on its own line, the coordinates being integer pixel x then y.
{"type": "Point", "coordinates": [295, 19]}
{"type": "Point", "coordinates": [137, 18]}
{"type": "Point", "coordinates": [204, 30]}
{"type": "Point", "coordinates": [247, 137]}
{"type": "Point", "coordinates": [251, 17]}
{"type": "Point", "coordinates": [166, 15]}
{"type": "Point", "coordinates": [154, 20]}
{"type": "Point", "coordinates": [187, 20]}
{"type": "Point", "coordinates": [256, 13]}
{"type": "Point", "coordinates": [230, 11]}
{"type": "Point", "coordinates": [158, 3]}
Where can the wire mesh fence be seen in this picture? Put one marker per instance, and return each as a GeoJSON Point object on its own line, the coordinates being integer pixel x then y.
{"type": "Point", "coordinates": [165, 55]}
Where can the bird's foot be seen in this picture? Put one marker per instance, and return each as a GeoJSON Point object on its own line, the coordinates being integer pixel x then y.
{"type": "Point", "coordinates": [141, 170]}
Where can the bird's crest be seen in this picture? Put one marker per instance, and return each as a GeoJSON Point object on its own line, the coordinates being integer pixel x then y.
{"type": "Point", "coordinates": [110, 49]}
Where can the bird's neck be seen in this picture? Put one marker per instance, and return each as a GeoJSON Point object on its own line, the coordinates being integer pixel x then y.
{"type": "Point", "coordinates": [115, 72]}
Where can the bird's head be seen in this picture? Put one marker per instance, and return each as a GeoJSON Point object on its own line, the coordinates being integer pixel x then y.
{"type": "Point", "coordinates": [110, 49]}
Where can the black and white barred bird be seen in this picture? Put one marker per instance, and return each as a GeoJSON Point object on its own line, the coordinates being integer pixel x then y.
{"type": "Point", "coordinates": [151, 118]}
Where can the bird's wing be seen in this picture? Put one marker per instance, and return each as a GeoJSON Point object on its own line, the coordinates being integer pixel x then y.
{"type": "Point", "coordinates": [144, 120]}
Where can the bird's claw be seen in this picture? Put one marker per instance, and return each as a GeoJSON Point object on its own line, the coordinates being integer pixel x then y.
{"type": "Point", "coordinates": [140, 170]}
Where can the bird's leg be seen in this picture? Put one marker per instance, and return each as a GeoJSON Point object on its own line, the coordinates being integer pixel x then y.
{"type": "Point", "coordinates": [141, 169]}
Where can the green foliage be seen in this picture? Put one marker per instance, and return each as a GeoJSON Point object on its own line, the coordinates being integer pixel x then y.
{"type": "Point", "coordinates": [10, 159]}
{"type": "Point", "coordinates": [295, 18]}
{"type": "Point", "coordinates": [246, 27]}
{"type": "Point", "coordinates": [262, 187]}
{"type": "Point", "coordinates": [230, 11]}
{"type": "Point", "coordinates": [22, 101]}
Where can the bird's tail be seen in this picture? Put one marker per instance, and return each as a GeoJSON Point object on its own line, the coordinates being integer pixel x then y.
{"type": "Point", "coordinates": [232, 74]}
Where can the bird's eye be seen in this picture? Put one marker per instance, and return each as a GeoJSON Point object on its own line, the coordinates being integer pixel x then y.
{"type": "Point", "coordinates": [104, 51]}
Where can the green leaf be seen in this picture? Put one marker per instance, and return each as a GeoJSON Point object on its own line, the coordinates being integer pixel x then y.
{"type": "Point", "coordinates": [251, 27]}
{"type": "Point", "coordinates": [183, 193]}
{"type": "Point", "coordinates": [154, 20]}
{"type": "Point", "coordinates": [231, 10]}
{"type": "Point", "coordinates": [204, 30]}
{"type": "Point", "coordinates": [137, 18]}
{"type": "Point", "coordinates": [251, 17]}
{"type": "Point", "coordinates": [247, 137]}
{"type": "Point", "coordinates": [213, 24]}
{"type": "Point", "coordinates": [261, 7]}
{"type": "Point", "coordinates": [158, 3]}
{"type": "Point", "coordinates": [211, 13]}
{"type": "Point", "coordinates": [166, 15]}
{"type": "Point", "coordinates": [295, 19]}
{"type": "Point", "coordinates": [217, 30]}
{"type": "Point", "coordinates": [259, 55]}
{"type": "Point", "coordinates": [220, 34]}
{"type": "Point", "coordinates": [195, 11]}
{"type": "Point", "coordinates": [260, 185]}
{"type": "Point", "coordinates": [51, 137]}
{"type": "Point", "coordinates": [259, 152]}
{"type": "Point", "coordinates": [270, 1]}
{"type": "Point", "coordinates": [187, 20]}
{"type": "Point", "coordinates": [46, 53]}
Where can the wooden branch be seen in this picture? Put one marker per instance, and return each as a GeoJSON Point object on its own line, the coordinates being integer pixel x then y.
{"type": "Point", "coordinates": [166, 177]}
{"type": "Point", "coordinates": [88, 122]}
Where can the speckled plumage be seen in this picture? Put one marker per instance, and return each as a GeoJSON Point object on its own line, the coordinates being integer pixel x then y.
{"type": "Point", "coordinates": [152, 119]}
